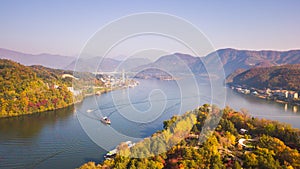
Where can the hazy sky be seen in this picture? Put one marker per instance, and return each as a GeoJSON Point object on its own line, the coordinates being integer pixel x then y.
{"type": "Point", "coordinates": [64, 26]}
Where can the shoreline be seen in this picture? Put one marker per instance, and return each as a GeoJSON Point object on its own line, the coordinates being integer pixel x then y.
{"type": "Point", "coordinates": [72, 104]}
{"type": "Point", "coordinates": [264, 97]}
{"type": "Point", "coordinates": [31, 113]}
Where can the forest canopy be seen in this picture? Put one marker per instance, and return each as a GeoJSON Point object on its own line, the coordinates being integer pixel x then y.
{"type": "Point", "coordinates": [29, 89]}
{"type": "Point", "coordinates": [261, 144]}
{"type": "Point", "coordinates": [275, 77]}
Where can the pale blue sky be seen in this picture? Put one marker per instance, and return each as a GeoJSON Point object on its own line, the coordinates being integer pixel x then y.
{"type": "Point", "coordinates": [63, 26]}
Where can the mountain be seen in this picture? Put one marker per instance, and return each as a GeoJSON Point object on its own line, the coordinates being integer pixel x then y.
{"type": "Point", "coordinates": [106, 64]}
{"type": "Point", "coordinates": [177, 63]}
{"type": "Point", "coordinates": [131, 63]}
{"type": "Point", "coordinates": [171, 65]}
{"type": "Point", "coordinates": [93, 64]}
{"type": "Point", "coordinates": [233, 59]}
{"type": "Point", "coordinates": [229, 78]}
{"type": "Point", "coordinates": [68, 62]}
{"type": "Point", "coordinates": [48, 60]}
{"type": "Point", "coordinates": [275, 77]}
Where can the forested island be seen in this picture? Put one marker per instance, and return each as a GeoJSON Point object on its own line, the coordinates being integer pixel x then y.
{"type": "Point", "coordinates": [238, 141]}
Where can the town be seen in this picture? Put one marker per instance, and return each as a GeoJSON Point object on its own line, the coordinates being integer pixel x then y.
{"type": "Point", "coordinates": [277, 95]}
{"type": "Point", "coordinates": [99, 83]}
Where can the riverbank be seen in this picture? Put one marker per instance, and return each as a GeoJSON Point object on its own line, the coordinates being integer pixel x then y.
{"type": "Point", "coordinates": [77, 99]}
{"type": "Point", "coordinates": [278, 96]}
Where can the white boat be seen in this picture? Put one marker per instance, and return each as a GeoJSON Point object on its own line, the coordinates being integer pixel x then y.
{"type": "Point", "coordinates": [114, 152]}
{"type": "Point", "coordinates": [89, 110]}
{"type": "Point", "coordinates": [105, 120]}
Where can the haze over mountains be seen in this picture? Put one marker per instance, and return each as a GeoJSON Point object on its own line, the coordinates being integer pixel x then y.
{"type": "Point", "coordinates": [47, 60]}
{"type": "Point", "coordinates": [106, 64]}
{"type": "Point", "coordinates": [231, 59]}
{"type": "Point", "coordinates": [235, 59]}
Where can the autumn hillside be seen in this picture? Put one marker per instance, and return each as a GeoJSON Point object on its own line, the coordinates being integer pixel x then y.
{"type": "Point", "coordinates": [25, 90]}
{"type": "Point", "coordinates": [238, 141]}
{"type": "Point", "coordinates": [275, 77]}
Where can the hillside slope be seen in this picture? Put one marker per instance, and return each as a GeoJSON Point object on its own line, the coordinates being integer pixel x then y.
{"type": "Point", "coordinates": [233, 59]}
{"type": "Point", "coordinates": [275, 77]}
{"type": "Point", "coordinates": [266, 144]}
{"type": "Point", "coordinates": [25, 90]}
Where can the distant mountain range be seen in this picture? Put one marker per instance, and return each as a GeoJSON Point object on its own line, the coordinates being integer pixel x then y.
{"type": "Point", "coordinates": [106, 64]}
{"type": "Point", "coordinates": [274, 77]}
{"type": "Point", "coordinates": [231, 59]}
{"type": "Point", "coordinates": [47, 60]}
{"type": "Point", "coordinates": [177, 63]}
{"type": "Point", "coordinates": [68, 62]}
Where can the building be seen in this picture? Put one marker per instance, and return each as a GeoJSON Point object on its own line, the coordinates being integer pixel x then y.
{"type": "Point", "coordinates": [268, 91]}
{"type": "Point", "coordinates": [286, 93]}
{"type": "Point", "coordinates": [296, 95]}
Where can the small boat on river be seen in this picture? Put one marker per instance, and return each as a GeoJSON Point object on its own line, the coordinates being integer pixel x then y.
{"type": "Point", "coordinates": [113, 153]}
{"type": "Point", "coordinates": [105, 120]}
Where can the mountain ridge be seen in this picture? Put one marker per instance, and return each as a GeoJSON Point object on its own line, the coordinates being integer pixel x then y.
{"type": "Point", "coordinates": [275, 77]}
{"type": "Point", "coordinates": [232, 59]}
{"type": "Point", "coordinates": [44, 59]}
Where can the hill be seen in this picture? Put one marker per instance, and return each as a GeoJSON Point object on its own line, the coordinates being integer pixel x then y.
{"type": "Point", "coordinates": [25, 90]}
{"type": "Point", "coordinates": [93, 64]}
{"type": "Point", "coordinates": [260, 144]}
{"type": "Point", "coordinates": [275, 77]}
{"type": "Point", "coordinates": [174, 65]}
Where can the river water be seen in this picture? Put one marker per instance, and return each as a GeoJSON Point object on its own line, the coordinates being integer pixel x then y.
{"type": "Point", "coordinates": [69, 137]}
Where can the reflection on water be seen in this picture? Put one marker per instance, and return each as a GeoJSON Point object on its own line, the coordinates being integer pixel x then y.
{"type": "Point", "coordinates": [285, 107]}
{"type": "Point", "coordinates": [45, 140]}
{"type": "Point", "coordinates": [262, 108]}
{"type": "Point", "coordinates": [258, 102]}
{"type": "Point", "coordinates": [295, 109]}
{"type": "Point", "coordinates": [29, 126]}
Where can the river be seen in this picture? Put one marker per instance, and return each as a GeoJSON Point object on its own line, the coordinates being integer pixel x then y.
{"type": "Point", "coordinates": [67, 138]}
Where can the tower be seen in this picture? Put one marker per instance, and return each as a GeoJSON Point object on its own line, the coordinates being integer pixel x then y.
{"type": "Point", "coordinates": [123, 76]}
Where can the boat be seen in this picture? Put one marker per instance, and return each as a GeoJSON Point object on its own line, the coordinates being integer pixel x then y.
{"type": "Point", "coordinates": [89, 110]}
{"type": "Point", "coordinates": [113, 153]}
{"type": "Point", "coordinates": [105, 120]}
